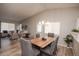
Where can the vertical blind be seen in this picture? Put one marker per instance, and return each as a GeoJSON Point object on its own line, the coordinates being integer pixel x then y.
{"type": "Point", "coordinates": [49, 27]}
{"type": "Point", "coordinates": [53, 27]}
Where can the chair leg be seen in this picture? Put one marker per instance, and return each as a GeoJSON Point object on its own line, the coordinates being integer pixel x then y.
{"type": "Point", "coordinates": [55, 52]}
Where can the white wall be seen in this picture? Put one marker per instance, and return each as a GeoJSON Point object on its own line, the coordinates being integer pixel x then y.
{"type": "Point", "coordinates": [67, 18]}
{"type": "Point", "coordinates": [77, 24]}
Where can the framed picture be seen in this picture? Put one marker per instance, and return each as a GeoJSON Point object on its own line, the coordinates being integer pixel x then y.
{"type": "Point", "coordinates": [24, 27]}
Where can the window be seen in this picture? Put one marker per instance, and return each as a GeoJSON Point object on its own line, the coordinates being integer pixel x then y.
{"type": "Point", "coordinates": [48, 27]}
{"type": "Point", "coordinates": [19, 27]}
{"type": "Point", "coordinates": [52, 27]}
{"type": "Point", "coordinates": [39, 27]}
{"type": "Point", "coordinates": [7, 26]}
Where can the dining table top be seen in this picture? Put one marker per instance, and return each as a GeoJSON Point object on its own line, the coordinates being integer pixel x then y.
{"type": "Point", "coordinates": [42, 43]}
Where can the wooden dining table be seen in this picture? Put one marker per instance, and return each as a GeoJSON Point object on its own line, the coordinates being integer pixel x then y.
{"type": "Point", "coordinates": [42, 43]}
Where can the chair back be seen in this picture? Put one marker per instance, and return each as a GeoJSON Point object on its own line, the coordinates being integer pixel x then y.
{"type": "Point", "coordinates": [26, 47]}
{"type": "Point", "coordinates": [54, 46]}
{"type": "Point", "coordinates": [50, 34]}
{"type": "Point", "coordinates": [56, 42]}
{"type": "Point", "coordinates": [38, 35]}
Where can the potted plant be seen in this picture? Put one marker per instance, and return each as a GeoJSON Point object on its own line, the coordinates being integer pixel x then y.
{"type": "Point", "coordinates": [68, 39]}
{"type": "Point", "coordinates": [75, 30]}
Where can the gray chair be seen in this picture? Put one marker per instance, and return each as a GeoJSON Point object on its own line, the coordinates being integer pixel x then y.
{"type": "Point", "coordinates": [37, 35]}
{"type": "Point", "coordinates": [50, 34]}
{"type": "Point", "coordinates": [56, 45]}
{"type": "Point", "coordinates": [26, 48]}
{"type": "Point", "coordinates": [51, 49]}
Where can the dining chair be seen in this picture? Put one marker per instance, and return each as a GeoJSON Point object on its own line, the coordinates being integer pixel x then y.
{"type": "Point", "coordinates": [50, 34]}
{"type": "Point", "coordinates": [37, 35]}
{"type": "Point", "coordinates": [14, 36]}
{"type": "Point", "coordinates": [32, 37]}
{"type": "Point", "coordinates": [56, 45]}
{"type": "Point", "coordinates": [51, 49]}
{"type": "Point", "coordinates": [27, 49]}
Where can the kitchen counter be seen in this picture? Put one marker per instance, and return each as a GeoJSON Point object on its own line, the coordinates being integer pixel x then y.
{"type": "Point", "coordinates": [76, 44]}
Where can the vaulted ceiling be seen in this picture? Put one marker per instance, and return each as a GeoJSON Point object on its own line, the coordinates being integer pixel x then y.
{"type": "Point", "coordinates": [20, 11]}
